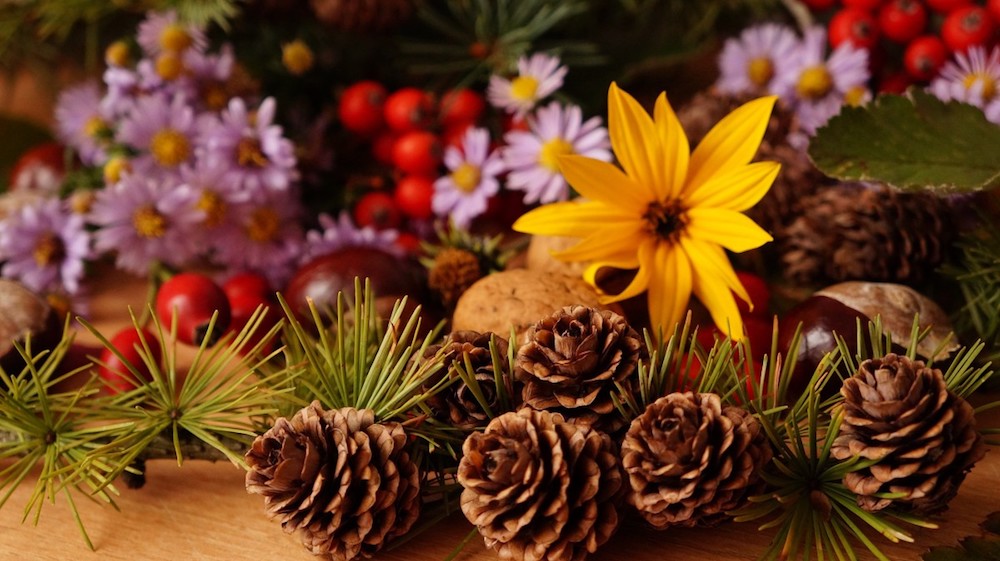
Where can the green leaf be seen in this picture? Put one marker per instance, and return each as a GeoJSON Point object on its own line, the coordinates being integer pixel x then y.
{"type": "Point", "coordinates": [915, 141]}
{"type": "Point", "coordinates": [972, 548]}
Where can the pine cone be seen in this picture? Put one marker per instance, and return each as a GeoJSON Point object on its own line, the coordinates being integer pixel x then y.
{"type": "Point", "coordinates": [456, 403]}
{"type": "Point", "coordinates": [798, 177]}
{"type": "Point", "coordinates": [362, 15]}
{"type": "Point", "coordinates": [453, 271]}
{"type": "Point", "coordinates": [689, 459]}
{"type": "Point", "coordinates": [338, 478]}
{"type": "Point", "coordinates": [572, 361]}
{"type": "Point", "coordinates": [900, 412]}
{"type": "Point", "coordinates": [538, 488]}
{"type": "Point", "coordinates": [855, 232]}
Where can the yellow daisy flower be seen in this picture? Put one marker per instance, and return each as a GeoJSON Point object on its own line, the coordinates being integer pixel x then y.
{"type": "Point", "coordinates": [670, 212]}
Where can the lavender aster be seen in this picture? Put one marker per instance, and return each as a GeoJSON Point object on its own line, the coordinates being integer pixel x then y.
{"type": "Point", "coordinates": [972, 77]}
{"type": "Point", "coordinates": [343, 232]}
{"type": "Point", "coordinates": [464, 193]}
{"type": "Point", "coordinates": [757, 60]}
{"type": "Point", "coordinates": [267, 238]}
{"type": "Point", "coordinates": [82, 124]}
{"type": "Point", "coordinates": [538, 77]}
{"type": "Point", "coordinates": [214, 197]}
{"type": "Point", "coordinates": [145, 220]}
{"type": "Point", "coordinates": [532, 157]}
{"type": "Point", "coordinates": [163, 32]}
{"type": "Point", "coordinates": [163, 130]}
{"type": "Point", "coordinates": [208, 74]}
{"type": "Point", "coordinates": [44, 246]}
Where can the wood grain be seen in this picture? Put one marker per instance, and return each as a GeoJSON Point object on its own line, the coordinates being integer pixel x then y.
{"type": "Point", "coordinates": [201, 512]}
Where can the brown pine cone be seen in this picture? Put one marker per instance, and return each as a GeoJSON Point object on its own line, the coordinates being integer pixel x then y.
{"type": "Point", "coordinates": [362, 15]}
{"type": "Point", "coordinates": [573, 359]}
{"type": "Point", "coordinates": [456, 403]}
{"type": "Point", "coordinates": [690, 460]}
{"type": "Point", "coordinates": [900, 412]}
{"type": "Point", "coordinates": [538, 488]}
{"type": "Point", "coordinates": [855, 232]}
{"type": "Point", "coordinates": [454, 270]}
{"type": "Point", "coordinates": [339, 479]}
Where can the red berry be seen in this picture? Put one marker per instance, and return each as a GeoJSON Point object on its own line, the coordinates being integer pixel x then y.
{"type": "Point", "coordinates": [817, 5]}
{"type": "Point", "coordinates": [247, 285]}
{"type": "Point", "coordinates": [924, 56]}
{"type": "Point", "coordinates": [191, 299]}
{"type": "Point", "coordinates": [461, 107]}
{"type": "Point", "coordinates": [417, 153]}
{"type": "Point", "coordinates": [853, 26]}
{"type": "Point", "coordinates": [967, 27]}
{"type": "Point", "coordinates": [413, 196]}
{"type": "Point", "coordinates": [376, 209]}
{"type": "Point", "coordinates": [361, 107]}
{"type": "Point", "coordinates": [452, 136]}
{"type": "Point", "coordinates": [408, 109]}
{"type": "Point", "coordinates": [382, 147]}
{"type": "Point", "coordinates": [902, 20]}
{"type": "Point", "coordinates": [867, 5]}
{"type": "Point", "coordinates": [40, 168]}
{"type": "Point", "coordinates": [759, 293]}
{"type": "Point", "coordinates": [116, 371]}
{"type": "Point", "coordinates": [408, 242]}
{"type": "Point", "coordinates": [758, 332]}
{"type": "Point", "coordinates": [895, 83]}
{"type": "Point", "coordinates": [946, 6]}
{"type": "Point", "coordinates": [244, 306]}
{"type": "Point", "coordinates": [994, 8]}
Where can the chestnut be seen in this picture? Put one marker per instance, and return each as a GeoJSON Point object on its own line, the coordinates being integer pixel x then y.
{"type": "Point", "coordinates": [23, 312]}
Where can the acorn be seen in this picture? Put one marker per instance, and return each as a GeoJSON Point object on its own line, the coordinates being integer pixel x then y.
{"type": "Point", "coordinates": [22, 312]}
{"type": "Point", "coordinates": [838, 309]}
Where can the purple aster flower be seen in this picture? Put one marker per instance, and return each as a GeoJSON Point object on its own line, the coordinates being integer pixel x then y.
{"type": "Point", "coordinates": [973, 77]}
{"type": "Point", "coordinates": [464, 193]}
{"type": "Point", "coordinates": [532, 157]}
{"type": "Point", "coordinates": [214, 196]}
{"type": "Point", "coordinates": [162, 31]}
{"type": "Point", "coordinates": [253, 148]}
{"type": "Point", "coordinates": [208, 74]}
{"type": "Point", "coordinates": [756, 60]}
{"type": "Point", "coordinates": [144, 221]}
{"type": "Point", "coordinates": [163, 130]}
{"type": "Point", "coordinates": [82, 124]}
{"type": "Point", "coordinates": [122, 93]}
{"type": "Point", "coordinates": [819, 86]}
{"type": "Point", "coordinates": [341, 233]}
{"type": "Point", "coordinates": [538, 77]}
{"type": "Point", "coordinates": [44, 246]}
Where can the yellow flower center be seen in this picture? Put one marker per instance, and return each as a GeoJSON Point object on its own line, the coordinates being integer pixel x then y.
{"type": "Point", "coordinates": [814, 82]}
{"type": "Point", "coordinates": [466, 177]}
{"type": "Point", "coordinates": [117, 53]}
{"type": "Point", "coordinates": [551, 150]}
{"type": "Point", "coordinates": [263, 226]}
{"type": "Point", "coordinates": [175, 38]}
{"type": "Point", "coordinates": [760, 71]}
{"type": "Point", "coordinates": [989, 85]}
{"type": "Point", "coordinates": [169, 66]}
{"type": "Point", "coordinates": [297, 57]}
{"type": "Point", "coordinates": [49, 249]}
{"type": "Point", "coordinates": [855, 96]}
{"type": "Point", "coordinates": [95, 127]}
{"type": "Point", "coordinates": [81, 201]}
{"type": "Point", "coordinates": [665, 220]}
{"type": "Point", "coordinates": [169, 147]}
{"type": "Point", "coordinates": [248, 153]}
{"type": "Point", "coordinates": [149, 223]}
{"type": "Point", "coordinates": [114, 169]}
{"type": "Point", "coordinates": [214, 208]}
{"type": "Point", "coordinates": [523, 88]}
{"type": "Point", "coordinates": [214, 95]}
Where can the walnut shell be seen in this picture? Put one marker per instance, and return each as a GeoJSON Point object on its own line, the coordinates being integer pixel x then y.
{"type": "Point", "coordinates": [519, 298]}
{"type": "Point", "coordinates": [539, 255]}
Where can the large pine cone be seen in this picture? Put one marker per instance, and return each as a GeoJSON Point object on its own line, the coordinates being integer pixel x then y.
{"type": "Point", "coordinates": [457, 403]}
{"type": "Point", "coordinates": [362, 15]}
{"type": "Point", "coordinates": [690, 460]}
{"type": "Point", "coordinates": [900, 412]}
{"type": "Point", "coordinates": [572, 361]}
{"type": "Point", "coordinates": [855, 232]}
{"type": "Point", "coordinates": [340, 480]}
{"type": "Point", "coordinates": [541, 489]}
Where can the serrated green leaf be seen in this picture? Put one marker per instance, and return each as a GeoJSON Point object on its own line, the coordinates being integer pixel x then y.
{"type": "Point", "coordinates": [972, 548]}
{"type": "Point", "coordinates": [914, 141]}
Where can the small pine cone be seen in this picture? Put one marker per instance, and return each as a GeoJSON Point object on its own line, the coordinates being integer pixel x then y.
{"type": "Point", "coordinates": [457, 404]}
{"type": "Point", "coordinates": [362, 15]}
{"type": "Point", "coordinates": [572, 361]}
{"type": "Point", "coordinates": [454, 270]}
{"type": "Point", "coordinates": [341, 480]}
{"type": "Point", "coordinates": [690, 460]}
{"type": "Point", "coordinates": [541, 489]}
{"type": "Point", "coordinates": [900, 412]}
{"type": "Point", "coordinates": [855, 232]}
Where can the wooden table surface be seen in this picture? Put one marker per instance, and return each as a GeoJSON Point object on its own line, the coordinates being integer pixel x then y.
{"type": "Point", "coordinates": [201, 512]}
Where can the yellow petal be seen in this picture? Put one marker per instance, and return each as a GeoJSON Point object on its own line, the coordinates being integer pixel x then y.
{"type": "Point", "coordinates": [634, 140]}
{"type": "Point", "coordinates": [732, 142]}
{"type": "Point", "coordinates": [623, 260]}
{"type": "Point", "coordinates": [603, 182]}
{"type": "Point", "coordinates": [602, 243]}
{"type": "Point", "coordinates": [732, 230]}
{"type": "Point", "coordinates": [715, 281]}
{"type": "Point", "coordinates": [669, 288]}
{"type": "Point", "coordinates": [572, 218]}
{"type": "Point", "coordinates": [736, 188]}
{"type": "Point", "coordinates": [676, 150]}
{"type": "Point", "coordinates": [639, 283]}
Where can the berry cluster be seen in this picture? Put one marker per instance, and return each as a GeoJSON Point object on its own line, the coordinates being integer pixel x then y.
{"type": "Point", "coordinates": [909, 40]}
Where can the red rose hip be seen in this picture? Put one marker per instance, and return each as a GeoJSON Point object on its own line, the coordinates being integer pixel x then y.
{"type": "Point", "coordinates": [115, 370]}
{"type": "Point", "coordinates": [191, 299]}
